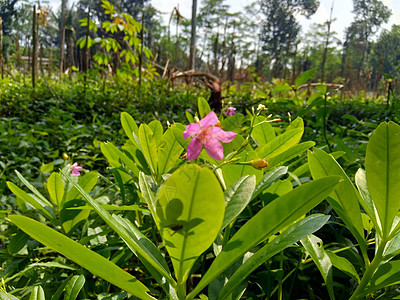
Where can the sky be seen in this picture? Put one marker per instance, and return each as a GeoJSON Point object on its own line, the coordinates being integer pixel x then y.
{"type": "Point", "coordinates": [341, 11]}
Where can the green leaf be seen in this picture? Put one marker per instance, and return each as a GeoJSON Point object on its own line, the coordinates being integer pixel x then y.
{"type": "Point", "coordinates": [293, 234]}
{"type": "Point", "coordinates": [43, 207]}
{"type": "Point", "coordinates": [290, 154]}
{"type": "Point", "coordinates": [7, 296]}
{"type": "Point", "coordinates": [277, 215]}
{"type": "Point", "coordinates": [178, 130]}
{"type": "Point", "coordinates": [204, 107]}
{"type": "Point", "coordinates": [345, 198]}
{"type": "Point", "coordinates": [130, 127]}
{"type": "Point", "coordinates": [366, 202]}
{"type": "Point", "coordinates": [57, 294]}
{"type": "Point", "coordinates": [382, 165]}
{"type": "Point", "coordinates": [237, 196]}
{"type": "Point", "coordinates": [297, 123]}
{"type": "Point", "coordinates": [87, 182]}
{"type": "Point", "coordinates": [148, 195]}
{"type": "Point", "coordinates": [281, 88]}
{"type": "Point", "coordinates": [190, 210]}
{"type": "Point", "coordinates": [121, 231]}
{"type": "Point", "coordinates": [148, 146]}
{"type": "Point", "coordinates": [135, 234]}
{"type": "Point", "coordinates": [37, 293]}
{"type": "Point", "coordinates": [280, 144]}
{"type": "Point", "coordinates": [73, 287]}
{"type": "Point", "coordinates": [232, 172]}
{"type": "Point", "coordinates": [315, 249]}
{"type": "Point", "coordinates": [39, 196]}
{"type": "Point", "coordinates": [17, 242]}
{"type": "Point", "coordinates": [263, 133]}
{"type": "Point", "coordinates": [112, 152]}
{"type": "Point", "coordinates": [93, 262]}
{"type": "Point", "coordinates": [168, 152]}
{"type": "Point", "coordinates": [387, 274]}
{"type": "Point", "coordinates": [268, 179]}
{"type": "Point", "coordinates": [321, 88]}
{"type": "Point", "coordinates": [157, 130]}
{"type": "Point", "coordinates": [55, 187]}
{"type": "Point", "coordinates": [304, 77]}
{"type": "Point", "coordinates": [47, 168]}
{"type": "Point", "coordinates": [232, 123]}
{"type": "Point", "coordinates": [343, 265]}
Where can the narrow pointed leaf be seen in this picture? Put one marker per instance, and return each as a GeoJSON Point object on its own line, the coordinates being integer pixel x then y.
{"type": "Point", "coordinates": [87, 182]}
{"type": "Point", "coordinates": [343, 265]}
{"type": "Point", "coordinates": [204, 107]}
{"type": "Point", "coordinates": [382, 165]}
{"type": "Point", "coordinates": [33, 190]}
{"type": "Point", "coordinates": [73, 287]}
{"type": "Point", "coordinates": [293, 234]}
{"type": "Point", "coordinates": [168, 152]}
{"type": "Point", "coordinates": [291, 153]}
{"type": "Point", "coordinates": [157, 130]}
{"type": "Point", "coordinates": [43, 207]}
{"type": "Point", "coordinates": [237, 196]}
{"type": "Point", "coordinates": [345, 196]}
{"type": "Point", "coordinates": [130, 127]}
{"type": "Point", "coordinates": [148, 146]}
{"type": "Point", "coordinates": [366, 202]}
{"type": "Point", "coordinates": [268, 179]}
{"type": "Point", "coordinates": [280, 144]}
{"type": "Point", "coordinates": [315, 249]}
{"type": "Point", "coordinates": [121, 231]}
{"type": "Point", "coordinates": [272, 218]}
{"type": "Point", "coordinates": [55, 187]}
{"type": "Point", "coordinates": [387, 274]}
{"type": "Point", "coordinates": [304, 77]}
{"type": "Point", "coordinates": [37, 293]}
{"type": "Point", "coordinates": [116, 153]}
{"type": "Point", "coordinates": [263, 133]}
{"type": "Point", "coordinates": [93, 262]}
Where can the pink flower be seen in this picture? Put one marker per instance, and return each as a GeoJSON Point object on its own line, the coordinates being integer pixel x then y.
{"type": "Point", "coordinates": [75, 169]}
{"type": "Point", "coordinates": [230, 111]}
{"type": "Point", "coordinates": [209, 135]}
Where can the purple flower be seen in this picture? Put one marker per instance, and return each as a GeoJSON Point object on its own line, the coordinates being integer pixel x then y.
{"type": "Point", "coordinates": [75, 169]}
{"type": "Point", "coordinates": [230, 111]}
{"type": "Point", "coordinates": [209, 135]}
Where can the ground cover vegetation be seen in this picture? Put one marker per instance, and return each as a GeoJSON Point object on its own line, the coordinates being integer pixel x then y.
{"type": "Point", "coordinates": [229, 161]}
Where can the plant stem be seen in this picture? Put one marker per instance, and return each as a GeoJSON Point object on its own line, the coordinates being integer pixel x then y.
{"type": "Point", "coordinates": [369, 272]}
{"type": "Point", "coordinates": [324, 125]}
{"type": "Point", "coordinates": [181, 290]}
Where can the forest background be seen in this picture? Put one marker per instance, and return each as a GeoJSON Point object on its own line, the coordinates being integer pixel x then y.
{"type": "Point", "coordinates": [265, 38]}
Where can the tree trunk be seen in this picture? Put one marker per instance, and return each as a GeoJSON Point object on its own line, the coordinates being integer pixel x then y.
{"type": "Point", "coordinates": [325, 53]}
{"type": "Point", "coordinates": [34, 47]}
{"type": "Point", "coordinates": [192, 57]}
{"type": "Point", "coordinates": [1, 49]}
{"type": "Point", "coordinates": [62, 41]}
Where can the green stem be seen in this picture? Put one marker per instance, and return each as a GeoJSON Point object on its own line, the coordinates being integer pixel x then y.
{"type": "Point", "coordinates": [181, 290]}
{"type": "Point", "coordinates": [369, 272]}
{"type": "Point", "coordinates": [324, 125]}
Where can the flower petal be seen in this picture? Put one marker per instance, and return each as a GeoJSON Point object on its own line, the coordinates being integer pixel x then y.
{"type": "Point", "coordinates": [191, 130]}
{"type": "Point", "coordinates": [223, 136]}
{"type": "Point", "coordinates": [210, 119]}
{"type": "Point", "coordinates": [215, 149]}
{"type": "Point", "coordinates": [194, 148]}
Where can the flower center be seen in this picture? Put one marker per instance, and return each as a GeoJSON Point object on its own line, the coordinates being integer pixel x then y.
{"type": "Point", "coordinates": [205, 135]}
